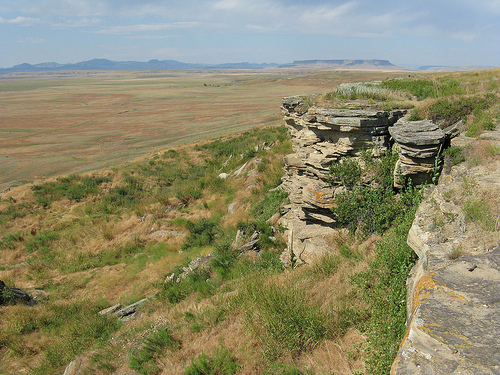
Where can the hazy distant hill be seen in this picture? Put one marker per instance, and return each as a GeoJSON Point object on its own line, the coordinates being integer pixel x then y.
{"type": "Point", "coordinates": [104, 64]}
{"type": "Point", "coordinates": [443, 68]}
{"type": "Point", "coordinates": [342, 64]}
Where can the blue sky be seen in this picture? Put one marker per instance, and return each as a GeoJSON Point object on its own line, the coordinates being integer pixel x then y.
{"type": "Point", "coordinates": [407, 33]}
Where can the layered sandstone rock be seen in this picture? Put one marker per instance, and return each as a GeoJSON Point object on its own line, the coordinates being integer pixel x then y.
{"type": "Point", "coordinates": [321, 136]}
{"type": "Point", "coordinates": [419, 144]}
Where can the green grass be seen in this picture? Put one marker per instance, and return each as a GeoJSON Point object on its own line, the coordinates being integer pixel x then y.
{"type": "Point", "coordinates": [220, 363]}
{"type": "Point", "coordinates": [425, 88]}
{"type": "Point", "coordinates": [73, 188]}
{"type": "Point", "coordinates": [478, 211]}
{"type": "Point", "coordinates": [383, 287]}
{"type": "Point", "coordinates": [154, 345]}
{"type": "Point", "coordinates": [284, 319]}
{"type": "Point", "coordinates": [75, 328]}
{"type": "Point", "coordinates": [456, 154]}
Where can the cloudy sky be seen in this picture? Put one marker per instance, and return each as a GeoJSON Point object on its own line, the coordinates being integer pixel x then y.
{"type": "Point", "coordinates": [407, 33]}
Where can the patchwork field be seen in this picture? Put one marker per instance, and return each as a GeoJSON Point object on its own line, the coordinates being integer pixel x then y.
{"type": "Point", "coordinates": [64, 122]}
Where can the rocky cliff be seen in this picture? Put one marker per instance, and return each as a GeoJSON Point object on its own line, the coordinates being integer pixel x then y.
{"type": "Point", "coordinates": [321, 136]}
{"type": "Point", "coordinates": [453, 302]}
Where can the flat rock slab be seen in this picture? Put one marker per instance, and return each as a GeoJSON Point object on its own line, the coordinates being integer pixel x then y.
{"type": "Point", "coordinates": [417, 133]}
{"type": "Point", "coordinates": [455, 326]}
{"type": "Point", "coordinates": [491, 135]}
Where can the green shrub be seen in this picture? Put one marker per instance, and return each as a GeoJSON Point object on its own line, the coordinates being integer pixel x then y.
{"type": "Point", "coordinates": [201, 233]}
{"type": "Point", "coordinates": [450, 111]}
{"type": "Point", "coordinates": [221, 363]}
{"type": "Point", "coordinates": [371, 209]}
{"type": "Point", "coordinates": [347, 172]}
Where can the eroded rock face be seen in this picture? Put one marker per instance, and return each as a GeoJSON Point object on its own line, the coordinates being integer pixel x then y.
{"type": "Point", "coordinates": [453, 311]}
{"type": "Point", "coordinates": [418, 143]}
{"type": "Point", "coordinates": [321, 136]}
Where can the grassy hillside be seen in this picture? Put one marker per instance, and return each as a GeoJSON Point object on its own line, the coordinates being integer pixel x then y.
{"type": "Point", "coordinates": [89, 241]}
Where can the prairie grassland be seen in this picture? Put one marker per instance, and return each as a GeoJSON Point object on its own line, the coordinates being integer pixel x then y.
{"type": "Point", "coordinates": [55, 123]}
{"type": "Point", "coordinates": [115, 235]}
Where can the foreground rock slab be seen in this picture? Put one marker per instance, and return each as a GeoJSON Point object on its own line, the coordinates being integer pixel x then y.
{"type": "Point", "coordinates": [456, 320]}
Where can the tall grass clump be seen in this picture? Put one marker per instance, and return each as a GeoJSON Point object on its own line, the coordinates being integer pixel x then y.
{"type": "Point", "coordinates": [284, 319]}
{"type": "Point", "coordinates": [143, 360]}
{"type": "Point", "coordinates": [353, 91]}
{"type": "Point", "coordinates": [478, 211]}
{"type": "Point", "coordinates": [182, 285]}
{"type": "Point", "coordinates": [222, 362]}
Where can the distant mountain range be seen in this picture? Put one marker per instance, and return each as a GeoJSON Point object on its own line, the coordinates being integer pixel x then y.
{"type": "Point", "coordinates": [104, 64]}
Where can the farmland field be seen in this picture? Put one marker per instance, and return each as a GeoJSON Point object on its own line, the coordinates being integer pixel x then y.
{"type": "Point", "coordinates": [64, 122]}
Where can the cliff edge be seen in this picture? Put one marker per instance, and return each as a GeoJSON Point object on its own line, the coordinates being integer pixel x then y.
{"type": "Point", "coordinates": [453, 303]}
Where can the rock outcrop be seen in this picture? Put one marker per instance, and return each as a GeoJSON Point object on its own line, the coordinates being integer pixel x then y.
{"type": "Point", "coordinates": [453, 305]}
{"type": "Point", "coordinates": [321, 136]}
{"type": "Point", "coordinates": [419, 144]}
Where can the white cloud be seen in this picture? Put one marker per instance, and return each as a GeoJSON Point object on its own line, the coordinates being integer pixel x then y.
{"type": "Point", "coordinates": [20, 20]}
{"type": "Point", "coordinates": [130, 29]}
{"type": "Point", "coordinates": [79, 22]}
{"type": "Point", "coordinates": [33, 40]}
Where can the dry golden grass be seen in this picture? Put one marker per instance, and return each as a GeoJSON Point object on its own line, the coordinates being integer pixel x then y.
{"type": "Point", "coordinates": [57, 123]}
